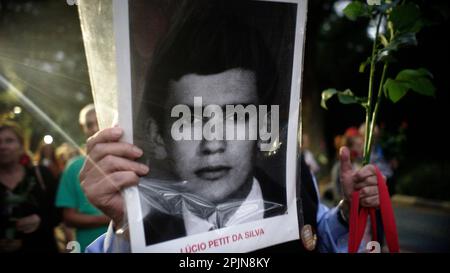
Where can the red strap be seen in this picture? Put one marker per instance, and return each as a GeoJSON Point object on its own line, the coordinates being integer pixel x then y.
{"type": "Point", "coordinates": [387, 214]}
{"type": "Point", "coordinates": [358, 219]}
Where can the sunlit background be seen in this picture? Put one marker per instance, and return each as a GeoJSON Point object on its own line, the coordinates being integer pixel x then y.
{"type": "Point", "coordinates": [42, 56]}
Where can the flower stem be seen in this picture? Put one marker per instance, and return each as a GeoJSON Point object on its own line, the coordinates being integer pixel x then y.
{"type": "Point", "coordinates": [368, 134]}
{"type": "Point", "coordinates": [376, 109]}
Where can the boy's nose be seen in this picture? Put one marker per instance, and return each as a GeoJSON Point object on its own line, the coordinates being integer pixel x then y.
{"type": "Point", "coordinates": [212, 146]}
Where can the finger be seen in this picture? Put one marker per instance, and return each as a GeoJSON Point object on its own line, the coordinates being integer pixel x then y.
{"type": "Point", "coordinates": [101, 150]}
{"type": "Point", "coordinates": [365, 172]}
{"type": "Point", "coordinates": [368, 191]}
{"type": "Point", "coordinates": [107, 135]}
{"type": "Point", "coordinates": [121, 149]}
{"type": "Point", "coordinates": [370, 202]}
{"type": "Point", "coordinates": [110, 164]}
{"type": "Point", "coordinates": [112, 183]}
{"type": "Point", "coordinates": [105, 193]}
{"type": "Point", "coordinates": [367, 182]}
{"type": "Point", "coordinates": [344, 159]}
{"type": "Point", "coordinates": [122, 180]}
{"type": "Point", "coordinates": [114, 208]}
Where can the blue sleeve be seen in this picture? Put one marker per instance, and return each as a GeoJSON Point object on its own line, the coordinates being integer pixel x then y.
{"type": "Point", "coordinates": [333, 236]}
{"type": "Point", "coordinates": [109, 243]}
{"type": "Point", "coordinates": [97, 245]}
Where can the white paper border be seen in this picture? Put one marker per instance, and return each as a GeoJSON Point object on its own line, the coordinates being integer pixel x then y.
{"type": "Point", "coordinates": [277, 229]}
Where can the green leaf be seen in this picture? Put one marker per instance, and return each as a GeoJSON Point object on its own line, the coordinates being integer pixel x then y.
{"type": "Point", "coordinates": [383, 7]}
{"type": "Point", "coordinates": [423, 86]}
{"type": "Point", "coordinates": [395, 90]}
{"type": "Point", "coordinates": [417, 80]}
{"type": "Point", "coordinates": [356, 9]}
{"type": "Point", "coordinates": [345, 97]}
{"type": "Point", "coordinates": [362, 66]}
{"type": "Point", "coordinates": [402, 40]}
{"type": "Point", "coordinates": [406, 18]}
{"type": "Point", "coordinates": [425, 72]}
{"type": "Point", "coordinates": [417, 26]}
{"type": "Point", "coordinates": [326, 95]}
{"type": "Point", "coordinates": [383, 40]}
{"type": "Point", "coordinates": [385, 57]}
{"type": "Point", "coordinates": [412, 74]}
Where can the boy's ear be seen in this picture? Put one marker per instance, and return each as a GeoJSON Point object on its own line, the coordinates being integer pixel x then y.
{"type": "Point", "coordinates": [155, 145]}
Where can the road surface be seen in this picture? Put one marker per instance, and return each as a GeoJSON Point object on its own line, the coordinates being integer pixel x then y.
{"type": "Point", "coordinates": [422, 229]}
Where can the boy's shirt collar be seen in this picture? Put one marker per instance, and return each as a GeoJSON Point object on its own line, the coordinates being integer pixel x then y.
{"type": "Point", "coordinates": [251, 209]}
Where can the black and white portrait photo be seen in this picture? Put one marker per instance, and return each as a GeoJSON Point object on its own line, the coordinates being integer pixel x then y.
{"type": "Point", "coordinates": [214, 103]}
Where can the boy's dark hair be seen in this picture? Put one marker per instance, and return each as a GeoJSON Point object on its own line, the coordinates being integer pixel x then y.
{"type": "Point", "coordinates": [207, 37]}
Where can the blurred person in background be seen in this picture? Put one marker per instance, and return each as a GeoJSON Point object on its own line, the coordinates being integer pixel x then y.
{"type": "Point", "coordinates": [45, 156]}
{"type": "Point", "coordinates": [355, 143]}
{"type": "Point", "coordinates": [88, 221]}
{"type": "Point", "coordinates": [64, 153]}
{"type": "Point", "coordinates": [64, 234]}
{"type": "Point", "coordinates": [309, 156]}
{"type": "Point", "coordinates": [27, 211]}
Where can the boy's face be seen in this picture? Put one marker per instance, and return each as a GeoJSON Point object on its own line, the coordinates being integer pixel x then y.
{"type": "Point", "coordinates": [215, 169]}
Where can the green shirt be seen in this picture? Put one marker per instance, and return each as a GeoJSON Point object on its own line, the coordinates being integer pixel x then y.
{"type": "Point", "coordinates": [70, 195]}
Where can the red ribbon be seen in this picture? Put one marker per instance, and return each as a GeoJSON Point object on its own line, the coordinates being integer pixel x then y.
{"type": "Point", "coordinates": [358, 219]}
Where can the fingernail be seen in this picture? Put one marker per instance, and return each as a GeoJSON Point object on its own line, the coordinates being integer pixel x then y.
{"type": "Point", "coordinates": [144, 168]}
{"type": "Point", "coordinates": [137, 151]}
{"type": "Point", "coordinates": [116, 131]}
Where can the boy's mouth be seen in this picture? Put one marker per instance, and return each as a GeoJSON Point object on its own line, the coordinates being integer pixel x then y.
{"type": "Point", "coordinates": [213, 172]}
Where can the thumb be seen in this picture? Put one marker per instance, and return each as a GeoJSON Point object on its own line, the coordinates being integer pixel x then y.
{"type": "Point", "coordinates": [344, 159]}
{"type": "Point", "coordinates": [346, 172]}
